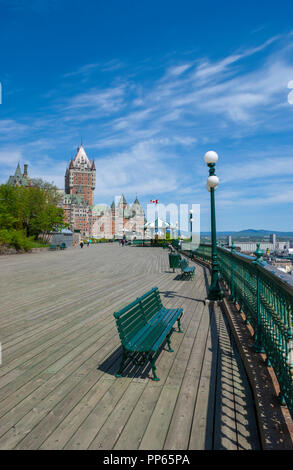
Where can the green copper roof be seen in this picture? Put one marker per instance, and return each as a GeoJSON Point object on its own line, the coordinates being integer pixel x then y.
{"type": "Point", "coordinates": [18, 172]}
{"type": "Point", "coordinates": [18, 178]}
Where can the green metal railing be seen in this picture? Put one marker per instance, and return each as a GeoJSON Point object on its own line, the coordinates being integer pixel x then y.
{"type": "Point", "coordinates": [267, 302]}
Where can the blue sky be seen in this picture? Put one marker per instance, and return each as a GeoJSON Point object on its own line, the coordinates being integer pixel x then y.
{"type": "Point", "coordinates": [150, 86]}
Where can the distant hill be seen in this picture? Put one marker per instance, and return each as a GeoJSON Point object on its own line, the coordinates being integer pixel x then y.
{"type": "Point", "coordinates": [251, 233]}
{"type": "Point", "coordinates": [263, 232]}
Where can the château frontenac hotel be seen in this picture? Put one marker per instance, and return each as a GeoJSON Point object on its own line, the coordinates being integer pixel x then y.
{"type": "Point", "coordinates": [77, 201]}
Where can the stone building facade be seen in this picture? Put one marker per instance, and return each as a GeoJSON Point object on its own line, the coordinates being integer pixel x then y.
{"type": "Point", "coordinates": [80, 177]}
{"type": "Point", "coordinates": [78, 197]}
{"type": "Point", "coordinates": [118, 221]}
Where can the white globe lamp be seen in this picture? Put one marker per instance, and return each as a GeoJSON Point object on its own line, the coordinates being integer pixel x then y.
{"type": "Point", "coordinates": [211, 157]}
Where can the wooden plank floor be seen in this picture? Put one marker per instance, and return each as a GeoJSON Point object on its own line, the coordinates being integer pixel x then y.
{"type": "Point", "coordinates": [60, 351]}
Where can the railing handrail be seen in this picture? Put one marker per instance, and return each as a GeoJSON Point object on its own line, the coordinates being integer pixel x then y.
{"type": "Point", "coordinates": [282, 279]}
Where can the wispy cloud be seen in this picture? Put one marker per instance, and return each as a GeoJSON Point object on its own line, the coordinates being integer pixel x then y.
{"type": "Point", "coordinates": [88, 69]}
{"type": "Point", "coordinates": [133, 172]}
{"type": "Point", "coordinates": [260, 168]}
{"type": "Point", "coordinates": [108, 100]}
{"type": "Point", "coordinates": [10, 128]}
{"type": "Point", "coordinates": [178, 70]}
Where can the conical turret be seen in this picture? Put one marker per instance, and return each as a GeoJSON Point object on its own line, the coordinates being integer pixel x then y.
{"type": "Point", "coordinates": [122, 202]}
{"type": "Point", "coordinates": [81, 159]}
{"type": "Point", "coordinates": [18, 171]}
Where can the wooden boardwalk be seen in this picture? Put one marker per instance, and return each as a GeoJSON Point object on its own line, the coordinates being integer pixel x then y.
{"type": "Point", "coordinates": [60, 351]}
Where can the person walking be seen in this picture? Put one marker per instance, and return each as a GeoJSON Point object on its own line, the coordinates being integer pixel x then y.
{"type": "Point", "coordinates": [81, 244]}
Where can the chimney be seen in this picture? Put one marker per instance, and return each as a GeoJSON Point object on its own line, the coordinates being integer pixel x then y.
{"type": "Point", "coordinates": [25, 170]}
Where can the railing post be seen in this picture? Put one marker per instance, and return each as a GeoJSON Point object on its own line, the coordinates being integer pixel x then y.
{"type": "Point", "coordinates": [290, 355]}
{"type": "Point", "coordinates": [232, 296]}
{"type": "Point", "coordinates": [258, 344]}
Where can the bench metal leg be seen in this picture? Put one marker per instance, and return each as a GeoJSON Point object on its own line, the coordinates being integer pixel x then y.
{"type": "Point", "coordinates": [154, 367]}
{"type": "Point", "coordinates": [124, 355]}
{"type": "Point", "coordinates": [179, 325]}
{"type": "Point", "coordinates": [169, 342]}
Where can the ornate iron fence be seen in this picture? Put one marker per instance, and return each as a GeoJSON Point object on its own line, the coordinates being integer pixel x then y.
{"type": "Point", "coordinates": [267, 302]}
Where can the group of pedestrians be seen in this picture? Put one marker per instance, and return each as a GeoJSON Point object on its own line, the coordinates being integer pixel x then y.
{"type": "Point", "coordinates": [88, 242]}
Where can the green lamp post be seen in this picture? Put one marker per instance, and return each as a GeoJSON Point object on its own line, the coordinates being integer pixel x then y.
{"type": "Point", "coordinates": [215, 292]}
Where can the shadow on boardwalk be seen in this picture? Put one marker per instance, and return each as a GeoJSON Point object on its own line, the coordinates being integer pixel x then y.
{"type": "Point", "coordinates": [172, 294]}
{"type": "Point", "coordinates": [111, 365]}
{"type": "Point", "coordinates": [231, 416]}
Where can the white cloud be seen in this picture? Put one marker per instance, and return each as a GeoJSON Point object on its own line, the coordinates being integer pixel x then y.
{"type": "Point", "coordinates": [9, 157]}
{"type": "Point", "coordinates": [9, 128]}
{"type": "Point", "coordinates": [140, 170]}
{"type": "Point", "coordinates": [178, 70]}
{"type": "Point", "coordinates": [108, 100]}
{"type": "Point", "coordinates": [259, 168]}
{"type": "Point", "coordinates": [207, 69]}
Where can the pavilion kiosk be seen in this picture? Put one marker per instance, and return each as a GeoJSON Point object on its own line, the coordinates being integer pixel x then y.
{"type": "Point", "coordinates": [63, 237]}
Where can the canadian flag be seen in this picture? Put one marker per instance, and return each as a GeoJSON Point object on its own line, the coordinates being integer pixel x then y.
{"type": "Point", "coordinates": [154, 200]}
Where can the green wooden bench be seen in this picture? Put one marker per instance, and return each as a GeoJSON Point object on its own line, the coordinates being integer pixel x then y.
{"type": "Point", "coordinates": [143, 326]}
{"type": "Point", "coordinates": [137, 242]}
{"type": "Point", "coordinates": [186, 270]}
{"type": "Point", "coordinates": [53, 247]}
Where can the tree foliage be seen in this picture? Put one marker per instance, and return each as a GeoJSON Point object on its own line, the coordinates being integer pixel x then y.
{"type": "Point", "coordinates": [28, 212]}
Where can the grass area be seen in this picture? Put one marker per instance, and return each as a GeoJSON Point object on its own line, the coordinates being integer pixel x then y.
{"type": "Point", "coordinates": [16, 240]}
{"type": "Point", "coordinates": [38, 244]}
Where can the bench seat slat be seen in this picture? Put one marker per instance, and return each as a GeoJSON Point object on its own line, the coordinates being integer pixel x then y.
{"type": "Point", "coordinates": [162, 329]}
{"type": "Point", "coordinates": [146, 330]}
{"type": "Point", "coordinates": [145, 339]}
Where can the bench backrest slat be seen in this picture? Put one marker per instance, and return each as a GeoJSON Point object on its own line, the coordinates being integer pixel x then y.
{"type": "Point", "coordinates": [127, 333]}
{"type": "Point", "coordinates": [151, 305]}
{"type": "Point", "coordinates": [130, 322]}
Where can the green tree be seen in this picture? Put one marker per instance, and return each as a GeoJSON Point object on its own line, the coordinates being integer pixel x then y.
{"type": "Point", "coordinates": [28, 212]}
